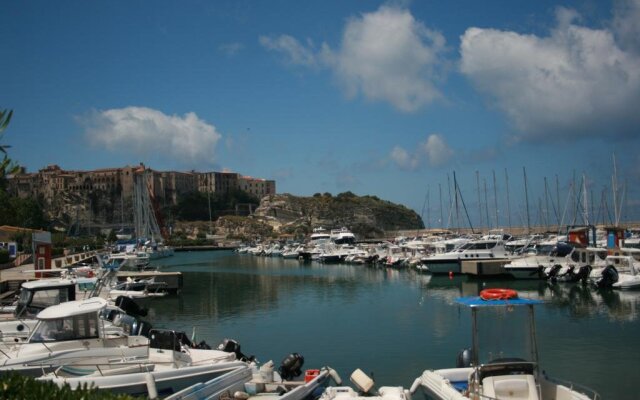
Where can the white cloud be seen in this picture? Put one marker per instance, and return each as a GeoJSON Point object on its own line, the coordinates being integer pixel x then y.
{"type": "Point", "coordinates": [386, 55]}
{"type": "Point", "coordinates": [403, 159]}
{"type": "Point", "coordinates": [434, 151]}
{"type": "Point", "coordinates": [575, 82]}
{"type": "Point", "coordinates": [296, 53]}
{"type": "Point", "coordinates": [230, 49]}
{"type": "Point", "coordinates": [143, 131]}
{"type": "Point", "coordinates": [437, 150]}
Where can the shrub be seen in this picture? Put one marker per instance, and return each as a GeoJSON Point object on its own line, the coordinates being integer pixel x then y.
{"type": "Point", "coordinates": [16, 386]}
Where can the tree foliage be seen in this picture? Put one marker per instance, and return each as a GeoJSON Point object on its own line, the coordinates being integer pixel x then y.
{"type": "Point", "coordinates": [7, 167]}
{"type": "Point", "coordinates": [25, 213]}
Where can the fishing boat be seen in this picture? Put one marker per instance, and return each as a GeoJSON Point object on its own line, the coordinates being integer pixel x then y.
{"type": "Point", "coordinates": [502, 362]}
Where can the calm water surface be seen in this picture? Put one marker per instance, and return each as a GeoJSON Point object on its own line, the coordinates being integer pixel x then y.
{"type": "Point", "coordinates": [392, 324]}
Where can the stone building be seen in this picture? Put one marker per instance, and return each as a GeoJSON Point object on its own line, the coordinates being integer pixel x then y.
{"type": "Point", "coordinates": [166, 186]}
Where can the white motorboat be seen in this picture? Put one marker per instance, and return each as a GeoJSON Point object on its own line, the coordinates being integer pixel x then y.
{"type": "Point", "coordinates": [342, 236]}
{"type": "Point", "coordinates": [502, 362]}
{"type": "Point", "coordinates": [171, 365]}
{"type": "Point", "coordinates": [71, 331]}
{"type": "Point", "coordinates": [537, 259]}
{"type": "Point", "coordinates": [138, 289]}
{"type": "Point", "coordinates": [476, 250]}
{"type": "Point", "coordinates": [620, 272]}
{"type": "Point", "coordinates": [19, 319]}
{"type": "Point", "coordinates": [263, 383]}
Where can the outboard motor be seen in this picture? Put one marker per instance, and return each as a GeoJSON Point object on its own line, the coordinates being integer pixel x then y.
{"type": "Point", "coordinates": [232, 346]}
{"type": "Point", "coordinates": [554, 271]}
{"type": "Point", "coordinates": [129, 306]}
{"type": "Point", "coordinates": [464, 359]}
{"type": "Point", "coordinates": [291, 366]}
{"type": "Point", "coordinates": [583, 273]}
{"type": "Point", "coordinates": [608, 277]}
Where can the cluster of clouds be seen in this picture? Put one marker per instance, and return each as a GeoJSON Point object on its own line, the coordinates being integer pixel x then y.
{"type": "Point", "coordinates": [574, 82]}
{"type": "Point", "coordinates": [141, 130]}
{"type": "Point", "coordinates": [386, 55]}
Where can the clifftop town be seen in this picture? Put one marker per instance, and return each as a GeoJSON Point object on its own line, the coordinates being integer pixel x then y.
{"type": "Point", "coordinates": [105, 196]}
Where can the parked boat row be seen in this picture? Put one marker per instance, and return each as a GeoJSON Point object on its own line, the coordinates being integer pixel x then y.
{"type": "Point", "coordinates": [565, 258]}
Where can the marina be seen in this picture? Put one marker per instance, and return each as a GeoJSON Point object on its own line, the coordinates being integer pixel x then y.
{"type": "Point", "coordinates": [392, 323]}
{"type": "Point", "coordinates": [342, 305]}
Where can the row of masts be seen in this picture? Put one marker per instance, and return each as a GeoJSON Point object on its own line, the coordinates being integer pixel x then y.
{"type": "Point", "coordinates": [549, 211]}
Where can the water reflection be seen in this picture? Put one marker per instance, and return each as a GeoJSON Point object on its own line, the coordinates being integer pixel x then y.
{"type": "Point", "coordinates": [394, 323]}
{"type": "Point", "coordinates": [580, 300]}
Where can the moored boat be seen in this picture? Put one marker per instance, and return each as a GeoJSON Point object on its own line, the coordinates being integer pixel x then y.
{"type": "Point", "coordinates": [502, 362]}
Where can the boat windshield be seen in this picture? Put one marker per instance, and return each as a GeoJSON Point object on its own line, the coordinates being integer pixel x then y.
{"type": "Point", "coordinates": [31, 302]}
{"type": "Point", "coordinates": [504, 334]}
{"type": "Point", "coordinates": [83, 326]}
{"type": "Point", "coordinates": [477, 246]}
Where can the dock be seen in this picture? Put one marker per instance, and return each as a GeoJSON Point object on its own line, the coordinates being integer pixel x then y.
{"type": "Point", "coordinates": [12, 278]}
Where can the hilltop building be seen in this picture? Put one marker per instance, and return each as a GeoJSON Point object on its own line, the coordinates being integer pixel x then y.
{"type": "Point", "coordinates": [106, 195]}
{"type": "Point", "coordinates": [166, 186]}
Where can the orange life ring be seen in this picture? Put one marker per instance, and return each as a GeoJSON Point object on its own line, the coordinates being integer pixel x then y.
{"type": "Point", "coordinates": [498, 294]}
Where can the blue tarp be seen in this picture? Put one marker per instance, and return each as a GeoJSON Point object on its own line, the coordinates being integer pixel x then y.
{"type": "Point", "coordinates": [478, 302]}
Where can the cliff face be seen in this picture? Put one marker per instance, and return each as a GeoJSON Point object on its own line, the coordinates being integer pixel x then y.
{"type": "Point", "coordinates": [366, 216]}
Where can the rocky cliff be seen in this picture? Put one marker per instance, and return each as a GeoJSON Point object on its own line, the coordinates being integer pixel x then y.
{"type": "Point", "coordinates": [366, 216]}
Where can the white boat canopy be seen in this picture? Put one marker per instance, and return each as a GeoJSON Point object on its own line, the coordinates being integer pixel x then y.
{"type": "Point", "coordinates": [71, 308]}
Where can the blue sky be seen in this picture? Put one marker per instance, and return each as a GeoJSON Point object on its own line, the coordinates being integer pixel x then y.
{"type": "Point", "coordinates": [379, 98]}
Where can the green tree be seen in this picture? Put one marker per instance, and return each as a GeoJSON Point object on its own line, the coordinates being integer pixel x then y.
{"type": "Point", "coordinates": [7, 167]}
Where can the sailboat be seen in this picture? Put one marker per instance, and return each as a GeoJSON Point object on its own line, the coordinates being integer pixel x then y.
{"type": "Point", "coordinates": [145, 216]}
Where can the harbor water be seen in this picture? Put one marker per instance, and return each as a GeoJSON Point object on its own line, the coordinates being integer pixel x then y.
{"type": "Point", "coordinates": [392, 324]}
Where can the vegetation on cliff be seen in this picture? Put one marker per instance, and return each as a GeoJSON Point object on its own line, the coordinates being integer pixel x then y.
{"type": "Point", "coordinates": [366, 216]}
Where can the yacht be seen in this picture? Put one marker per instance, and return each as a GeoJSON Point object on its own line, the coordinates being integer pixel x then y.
{"type": "Point", "coordinates": [342, 236]}
{"type": "Point", "coordinates": [475, 250]}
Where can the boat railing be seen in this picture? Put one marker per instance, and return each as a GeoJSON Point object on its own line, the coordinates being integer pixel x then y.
{"type": "Point", "coordinates": [587, 391]}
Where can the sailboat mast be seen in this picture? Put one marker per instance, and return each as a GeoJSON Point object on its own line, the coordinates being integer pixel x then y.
{"type": "Point", "coordinates": [495, 197]}
{"type": "Point", "coordinates": [441, 214]}
{"type": "Point", "coordinates": [614, 185]}
{"type": "Point", "coordinates": [526, 198]}
{"type": "Point", "coordinates": [455, 188]}
{"type": "Point", "coordinates": [486, 202]}
{"type": "Point", "coordinates": [479, 200]}
{"type": "Point", "coordinates": [506, 177]}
